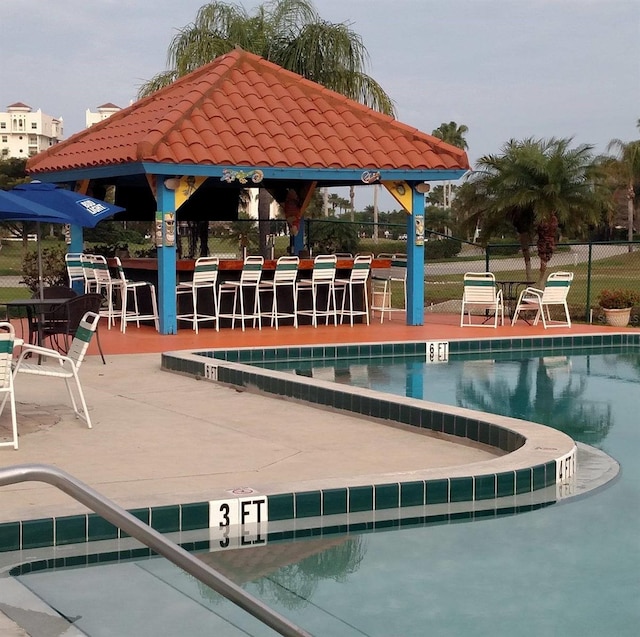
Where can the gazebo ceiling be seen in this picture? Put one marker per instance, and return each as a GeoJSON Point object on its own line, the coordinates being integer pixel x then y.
{"type": "Point", "coordinates": [241, 111]}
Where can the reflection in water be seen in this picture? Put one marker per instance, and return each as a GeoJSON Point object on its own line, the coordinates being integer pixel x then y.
{"type": "Point", "coordinates": [288, 572]}
{"type": "Point", "coordinates": [545, 391]}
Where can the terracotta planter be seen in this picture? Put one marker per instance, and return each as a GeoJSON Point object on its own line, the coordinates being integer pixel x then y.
{"type": "Point", "coordinates": [617, 318]}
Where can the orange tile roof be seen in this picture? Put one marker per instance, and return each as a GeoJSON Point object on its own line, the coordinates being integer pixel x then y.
{"type": "Point", "coordinates": [241, 110]}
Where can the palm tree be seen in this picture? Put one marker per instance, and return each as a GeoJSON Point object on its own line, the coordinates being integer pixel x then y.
{"type": "Point", "coordinates": [538, 186]}
{"type": "Point", "coordinates": [289, 33]}
{"type": "Point", "coordinates": [452, 134]}
{"type": "Point", "coordinates": [627, 169]}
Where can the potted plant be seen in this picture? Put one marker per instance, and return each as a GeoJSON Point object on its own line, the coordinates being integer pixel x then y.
{"type": "Point", "coordinates": [617, 305]}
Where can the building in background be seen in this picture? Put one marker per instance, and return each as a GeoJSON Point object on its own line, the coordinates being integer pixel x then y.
{"type": "Point", "coordinates": [24, 132]}
{"type": "Point", "coordinates": [104, 111]}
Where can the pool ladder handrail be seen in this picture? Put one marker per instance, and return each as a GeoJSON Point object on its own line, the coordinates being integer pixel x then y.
{"type": "Point", "coordinates": [151, 538]}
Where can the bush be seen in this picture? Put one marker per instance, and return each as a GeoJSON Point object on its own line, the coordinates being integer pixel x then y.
{"type": "Point", "coordinates": [328, 237]}
{"type": "Point", "coordinates": [441, 249]}
{"type": "Point", "coordinates": [54, 269]}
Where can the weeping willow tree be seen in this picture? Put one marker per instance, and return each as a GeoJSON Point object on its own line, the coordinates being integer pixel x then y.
{"type": "Point", "coordinates": [289, 33]}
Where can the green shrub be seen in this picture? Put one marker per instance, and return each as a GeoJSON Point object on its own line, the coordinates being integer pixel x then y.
{"type": "Point", "coordinates": [54, 270]}
{"type": "Point", "coordinates": [327, 237]}
{"type": "Point", "coordinates": [442, 249]}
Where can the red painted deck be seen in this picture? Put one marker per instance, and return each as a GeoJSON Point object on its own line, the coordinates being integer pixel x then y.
{"type": "Point", "coordinates": [437, 326]}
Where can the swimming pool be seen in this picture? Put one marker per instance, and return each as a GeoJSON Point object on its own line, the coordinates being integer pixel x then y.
{"type": "Point", "coordinates": [559, 569]}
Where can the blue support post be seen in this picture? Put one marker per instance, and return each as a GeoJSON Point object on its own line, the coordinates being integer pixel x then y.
{"type": "Point", "coordinates": [166, 258]}
{"type": "Point", "coordinates": [76, 244]}
{"type": "Point", "coordinates": [415, 261]}
{"type": "Point", "coordinates": [298, 240]}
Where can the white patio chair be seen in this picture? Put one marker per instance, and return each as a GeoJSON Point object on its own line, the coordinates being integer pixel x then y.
{"type": "Point", "coordinates": [205, 277]}
{"type": "Point", "coordinates": [7, 341]}
{"type": "Point", "coordinates": [90, 283]}
{"type": "Point", "coordinates": [249, 282]}
{"type": "Point", "coordinates": [103, 283]}
{"type": "Point", "coordinates": [355, 284]}
{"type": "Point", "coordinates": [284, 278]}
{"type": "Point", "coordinates": [481, 293]}
{"type": "Point", "coordinates": [555, 293]}
{"type": "Point", "coordinates": [54, 364]}
{"type": "Point", "coordinates": [127, 287]}
{"type": "Point", "coordinates": [322, 278]}
{"type": "Point", "coordinates": [383, 282]}
{"type": "Point", "coordinates": [75, 271]}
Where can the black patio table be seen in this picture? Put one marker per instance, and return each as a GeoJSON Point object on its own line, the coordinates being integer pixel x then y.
{"type": "Point", "coordinates": [510, 293]}
{"type": "Point", "coordinates": [37, 307]}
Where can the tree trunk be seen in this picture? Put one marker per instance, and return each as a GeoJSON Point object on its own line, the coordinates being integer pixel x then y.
{"type": "Point", "coordinates": [352, 199]}
{"type": "Point", "coordinates": [375, 213]}
{"type": "Point", "coordinates": [264, 208]}
{"type": "Point", "coordinates": [630, 210]}
{"type": "Point", "coordinates": [525, 241]}
{"type": "Point", "coordinates": [325, 201]}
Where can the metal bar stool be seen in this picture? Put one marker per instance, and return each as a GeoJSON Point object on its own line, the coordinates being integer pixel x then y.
{"type": "Point", "coordinates": [249, 282]}
{"type": "Point", "coordinates": [322, 278]}
{"type": "Point", "coordinates": [131, 287]}
{"type": "Point", "coordinates": [205, 277]}
{"type": "Point", "coordinates": [284, 277]}
{"type": "Point", "coordinates": [357, 279]}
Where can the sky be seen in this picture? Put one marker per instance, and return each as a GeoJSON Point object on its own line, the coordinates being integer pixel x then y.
{"type": "Point", "coordinates": [506, 69]}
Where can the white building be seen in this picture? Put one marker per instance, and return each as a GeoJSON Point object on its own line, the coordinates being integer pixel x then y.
{"type": "Point", "coordinates": [24, 133]}
{"type": "Point", "coordinates": [104, 111]}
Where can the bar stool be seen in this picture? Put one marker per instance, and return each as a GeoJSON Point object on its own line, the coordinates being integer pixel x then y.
{"type": "Point", "coordinates": [205, 276]}
{"type": "Point", "coordinates": [102, 283]}
{"type": "Point", "coordinates": [249, 281]}
{"type": "Point", "coordinates": [357, 279]}
{"type": "Point", "coordinates": [382, 284]}
{"type": "Point", "coordinates": [126, 287]}
{"type": "Point", "coordinates": [322, 278]}
{"type": "Point", "coordinates": [73, 263]}
{"type": "Point", "coordinates": [90, 283]}
{"type": "Point", "coordinates": [284, 277]}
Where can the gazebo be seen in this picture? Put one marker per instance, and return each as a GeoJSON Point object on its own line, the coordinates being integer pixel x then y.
{"type": "Point", "coordinates": [187, 150]}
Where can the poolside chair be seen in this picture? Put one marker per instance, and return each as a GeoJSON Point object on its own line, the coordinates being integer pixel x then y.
{"type": "Point", "coordinates": [481, 293]}
{"type": "Point", "coordinates": [555, 293]}
{"type": "Point", "coordinates": [53, 364]}
{"type": "Point", "coordinates": [205, 277]}
{"type": "Point", "coordinates": [7, 338]}
{"type": "Point", "coordinates": [248, 284]}
{"type": "Point", "coordinates": [75, 271]}
{"type": "Point", "coordinates": [383, 282]}
{"type": "Point", "coordinates": [354, 285]}
{"type": "Point", "coordinates": [129, 287]}
{"type": "Point", "coordinates": [284, 279]}
{"type": "Point", "coordinates": [322, 281]}
{"type": "Point", "coordinates": [100, 281]}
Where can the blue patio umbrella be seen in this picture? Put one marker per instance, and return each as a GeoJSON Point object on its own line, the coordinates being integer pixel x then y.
{"type": "Point", "coordinates": [47, 203]}
{"type": "Point", "coordinates": [73, 207]}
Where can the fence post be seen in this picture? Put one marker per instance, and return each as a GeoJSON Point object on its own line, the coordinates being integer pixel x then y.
{"type": "Point", "coordinates": [486, 257]}
{"type": "Point", "coordinates": [589, 263]}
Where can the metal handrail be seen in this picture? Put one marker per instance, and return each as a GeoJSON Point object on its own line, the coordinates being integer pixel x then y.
{"type": "Point", "coordinates": [151, 538]}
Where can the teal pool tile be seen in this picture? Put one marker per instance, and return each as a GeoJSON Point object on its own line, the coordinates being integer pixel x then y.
{"type": "Point", "coordinates": [485, 487]}
{"type": "Point", "coordinates": [405, 414]}
{"type": "Point", "coordinates": [100, 529]}
{"type": "Point", "coordinates": [412, 493]}
{"type": "Point", "coordinates": [505, 484]}
{"type": "Point", "coordinates": [494, 435]}
{"type": "Point", "coordinates": [503, 438]}
{"type": "Point", "coordinates": [387, 496]}
{"type": "Point", "coordinates": [523, 481]}
{"type": "Point", "coordinates": [449, 424]}
{"type": "Point", "coordinates": [437, 491]}
{"type": "Point", "coordinates": [538, 477]}
{"type": "Point", "coordinates": [460, 427]}
{"type": "Point", "coordinates": [10, 536]}
{"type": "Point", "coordinates": [550, 469]}
{"type": "Point", "coordinates": [360, 499]}
{"type": "Point", "coordinates": [71, 529]}
{"type": "Point", "coordinates": [281, 507]}
{"type": "Point", "coordinates": [385, 410]}
{"type": "Point", "coordinates": [394, 411]}
{"type": "Point", "coordinates": [143, 514]}
{"type": "Point", "coordinates": [437, 421]}
{"type": "Point", "coordinates": [194, 515]}
{"type": "Point", "coordinates": [461, 489]}
{"type": "Point", "coordinates": [308, 504]}
{"type": "Point", "coordinates": [472, 429]}
{"type": "Point", "coordinates": [483, 433]}
{"type": "Point", "coordinates": [165, 519]}
{"type": "Point", "coordinates": [36, 533]}
{"type": "Point", "coordinates": [334, 501]}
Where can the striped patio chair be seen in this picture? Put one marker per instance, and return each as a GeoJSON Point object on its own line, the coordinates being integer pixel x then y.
{"type": "Point", "coordinates": [556, 290]}
{"type": "Point", "coordinates": [284, 278]}
{"type": "Point", "coordinates": [322, 279]}
{"type": "Point", "coordinates": [205, 277]}
{"type": "Point", "coordinates": [7, 341]}
{"type": "Point", "coordinates": [54, 364]}
{"type": "Point", "coordinates": [356, 284]}
{"type": "Point", "coordinates": [481, 293]}
{"type": "Point", "coordinates": [248, 284]}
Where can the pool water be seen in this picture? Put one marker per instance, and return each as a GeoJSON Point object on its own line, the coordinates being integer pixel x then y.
{"type": "Point", "coordinates": [568, 569]}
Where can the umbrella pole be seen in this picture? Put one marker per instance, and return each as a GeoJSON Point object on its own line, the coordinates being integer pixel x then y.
{"type": "Point", "coordinates": [40, 277]}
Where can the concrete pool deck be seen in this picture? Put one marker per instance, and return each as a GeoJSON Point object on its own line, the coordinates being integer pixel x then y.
{"type": "Point", "coordinates": [160, 438]}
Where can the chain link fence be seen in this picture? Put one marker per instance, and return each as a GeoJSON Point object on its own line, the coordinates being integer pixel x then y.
{"type": "Point", "coordinates": [596, 265]}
